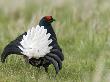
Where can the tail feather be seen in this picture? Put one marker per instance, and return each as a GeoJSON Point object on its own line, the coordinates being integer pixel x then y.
{"type": "Point", "coordinates": [36, 42]}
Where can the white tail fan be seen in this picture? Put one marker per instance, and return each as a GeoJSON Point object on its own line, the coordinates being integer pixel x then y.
{"type": "Point", "coordinates": [36, 43]}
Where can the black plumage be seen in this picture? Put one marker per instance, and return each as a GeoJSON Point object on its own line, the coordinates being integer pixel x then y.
{"type": "Point", "coordinates": [55, 56]}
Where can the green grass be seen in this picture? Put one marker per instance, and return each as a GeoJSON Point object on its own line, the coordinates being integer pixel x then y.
{"type": "Point", "coordinates": [83, 32]}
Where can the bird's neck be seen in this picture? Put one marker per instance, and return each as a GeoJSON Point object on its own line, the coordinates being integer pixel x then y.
{"type": "Point", "coordinates": [49, 28]}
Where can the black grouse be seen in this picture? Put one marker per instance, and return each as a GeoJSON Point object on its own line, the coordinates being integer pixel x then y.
{"type": "Point", "coordinates": [38, 45]}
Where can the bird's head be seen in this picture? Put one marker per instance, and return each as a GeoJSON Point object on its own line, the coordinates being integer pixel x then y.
{"type": "Point", "coordinates": [46, 20]}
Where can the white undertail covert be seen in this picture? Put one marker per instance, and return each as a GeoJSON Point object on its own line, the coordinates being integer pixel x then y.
{"type": "Point", "coordinates": [36, 43]}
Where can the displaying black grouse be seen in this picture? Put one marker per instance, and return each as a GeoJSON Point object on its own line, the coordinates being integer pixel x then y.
{"type": "Point", "coordinates": [38, 45]}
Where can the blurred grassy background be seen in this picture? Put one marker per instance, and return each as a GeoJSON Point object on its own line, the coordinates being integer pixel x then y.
{"type": "Point", "coordinates": [83, 31]}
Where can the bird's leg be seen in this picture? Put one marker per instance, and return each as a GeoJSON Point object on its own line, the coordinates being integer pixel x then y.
{"type": "Point", "coordinates": [46, 69]}
{"type": "Point", "coordinates": [46, 65]}
{"type": "Point", "coordinates": [35, 62]}
{"type": "Point", "coordinates": [26, 59]}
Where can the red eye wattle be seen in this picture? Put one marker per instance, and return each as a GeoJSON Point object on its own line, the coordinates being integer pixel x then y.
{"type": "Point", "coordinates": [48, 18]}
